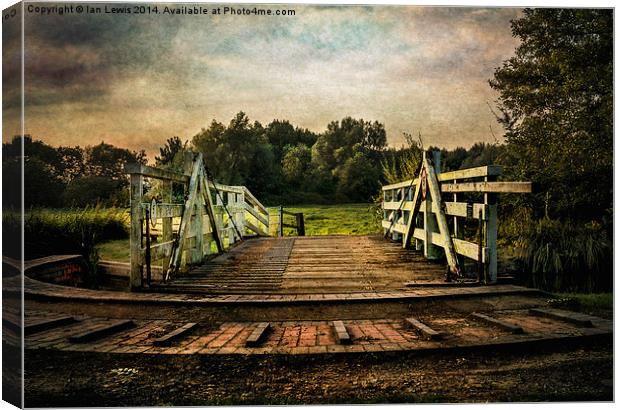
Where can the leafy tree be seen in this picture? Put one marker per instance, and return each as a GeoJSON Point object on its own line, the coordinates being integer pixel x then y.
{"type": "Point", "coordinates": [93, 190]}
{"type": "Point", "coordinates": [109, 161]}
{"type": "Point", "coordinates": [358, 179]}
{"type": "Point", "coordinates": [42, 187]}
{"type": "Point", "coordinates": [556, 103]}
{"type": "Point", "coordinates": [296, 165]}
{"type": "Point", "coordinates": [72, 163]}
{"type": "Point", "coordinates": [168, 152]}
{"type": "Point", "coordinates": [239, 154]}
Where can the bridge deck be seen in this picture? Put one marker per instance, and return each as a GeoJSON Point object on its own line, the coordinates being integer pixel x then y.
{"type": "Point", "coordinates": [319, 264]}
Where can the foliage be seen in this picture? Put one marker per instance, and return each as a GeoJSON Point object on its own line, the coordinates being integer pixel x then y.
{"type": "Point", "coordinates": [67, 231]}
{"type": "Point", "coordinates": [54, 175]}
{"type": "Point", "coordinates": [238, 154]}
{"type": "Point", "coordinates": [556, 103]}
{"type": "Point", "coordinates": [88, 190]}
{"type": "Point", "coordinates": [567, 256]}
{"type": "Point", "coordinates": [169, 151]}
{"type": "Point", "coordinates": [403, 164]}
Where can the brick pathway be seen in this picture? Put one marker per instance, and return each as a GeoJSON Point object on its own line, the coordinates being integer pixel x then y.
{"type": "Point", "coordinates": [309, 337]}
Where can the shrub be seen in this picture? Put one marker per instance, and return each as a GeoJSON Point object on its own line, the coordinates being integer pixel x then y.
{"type": "Point", "coordinates": [566, 256]}
{"type": "Point", "coordinates": [75, 231]}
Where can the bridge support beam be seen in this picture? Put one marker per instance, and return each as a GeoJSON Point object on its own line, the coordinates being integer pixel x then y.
{"type": "Point", "coordinates": [135, 235]}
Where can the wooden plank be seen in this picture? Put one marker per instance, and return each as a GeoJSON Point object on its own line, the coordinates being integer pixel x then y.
{"type": "Point", "coordinates": [458, 209]}
{"type": "Point", "coordinates": [448, 246]}
{"type": "Point", "coordinates": [257, 215]}
{"type": "Point", "coordinates": [340, 331]}
{"type": "Point", "coordinates": [152, 172]}
{"type": "Point", "coordinates": [135, 234]}
{"type": "Point", "coordinates": [210, 210]}
{"type": "Point", "coordinates": [490, 187]}
{"type": "Point", "coordinates": [511, 327]}
{"type": "Point", "coordinates": [565, 316]}
{"type": "Point", "coordinates": [254, 228]}
{"type": "Point", "coordinates": [462, 247]}
{"type": "Point", "coordinates": [416, 200]}
{"type": "Point", "coordinates": [159, 251]}
{"type": "Point", "coordinates": [47, 324]}
{"type": "Point", "coordinates": [398, 185]}
{"type": "Point", "coordinates": [400, 228]}
{"type": "Point", "coordinates": [251, 199]}
{"type": "Point", "coordinates": [426, 331]}
{"type": "Point", "coordinates": [101, 331]}
{"type": "Point", "coordinates": [166, 223]}
{"type": "Point", "coordinates": [477, 172]}
{"type": "Point", "coordinates": [258, 334]}
{"type": "Point", "coordinates": [164, 210]}
{"type": "Point", "coordinates": [237, 189]}
{"type": "Point", "coordinates": [175, 260]}
{"type": "Point", "coordinates": [168, 338]}
{"type": "Point", "coordinates": [470, 249]}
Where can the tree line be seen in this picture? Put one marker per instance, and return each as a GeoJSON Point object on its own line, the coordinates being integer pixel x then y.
{"type": "Point", "coordinates": [280, 163]}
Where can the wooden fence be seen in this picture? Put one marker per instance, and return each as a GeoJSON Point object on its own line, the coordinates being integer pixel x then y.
{"type": "Point", "coordinates": [212, 217]}
{"type": "Point", "coordinates": [431, 210]}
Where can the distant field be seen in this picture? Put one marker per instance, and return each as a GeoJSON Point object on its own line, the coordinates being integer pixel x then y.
{"type": "Point", "coordinates": [347, 219]}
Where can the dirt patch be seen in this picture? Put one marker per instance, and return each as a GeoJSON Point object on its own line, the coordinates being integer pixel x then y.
{"type": "Point", "coordinates": [566, 373]}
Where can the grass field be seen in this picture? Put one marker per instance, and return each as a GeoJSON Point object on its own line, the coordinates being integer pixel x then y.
{"type": "Point", "coordinates": [347, 219]}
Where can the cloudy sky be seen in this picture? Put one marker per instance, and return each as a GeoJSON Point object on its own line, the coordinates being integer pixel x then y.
{"type": "Point", "coordinates": [135, 80]}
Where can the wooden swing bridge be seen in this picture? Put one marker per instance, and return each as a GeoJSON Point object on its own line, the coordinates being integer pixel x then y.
{"type": "Point", "coordinates": [195, 245]}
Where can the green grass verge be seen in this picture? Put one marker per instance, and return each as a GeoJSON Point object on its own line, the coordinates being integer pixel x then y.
{"type": "Point", "coordinates": [114, 250]}
{"type": "Point", "coordinates": [346, 219]}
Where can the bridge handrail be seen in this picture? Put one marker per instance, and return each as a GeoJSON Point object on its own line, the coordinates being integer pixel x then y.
{"type": "Point", "coordinates": [398, 204]}
{"type": "Point", "coordinates": [236, 212]}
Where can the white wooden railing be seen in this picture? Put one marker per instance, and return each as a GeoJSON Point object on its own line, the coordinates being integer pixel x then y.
{"type": "Point", "coordinates": [439, 213]}
{"type": "Point", "coordinates": [173, 235]}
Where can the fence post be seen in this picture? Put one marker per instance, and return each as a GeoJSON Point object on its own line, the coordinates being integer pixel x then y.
{"type": "Point", "coordinates": [430, 221]}
{"type": "Point", "coordinates": [199, 232]}
{"type": "Point", "coordinates": [135, 237]}
{"type": "Point", "coordinates": [490, 200]}
{"type": "Point", "coordinates": [166, 223]}
{"type": "Point", "coordinates": [301, 229]}
{"type": "Point", "coordinates": [241, 213]}
{"type": "Point", "coordinates": [281, 224]}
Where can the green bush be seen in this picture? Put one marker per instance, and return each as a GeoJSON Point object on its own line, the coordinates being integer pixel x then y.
{"type": "Point", "coordinates": [73, 231]}
{"type": "Point", "coordinates": [567, 256]}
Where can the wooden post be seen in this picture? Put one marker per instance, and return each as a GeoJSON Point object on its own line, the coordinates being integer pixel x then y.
{"type": "Point", "coordinates": [166, 223]}
{"type": "Point", "coordinates": [147, 248]}
{"type": "Point", "coordinates": [281, 224]}
{"type": "Point", "coordinates": [215, 232]}
{"type": "Point", "coordinates": [430, 221]}
{"type": "Point", "coordinates": [448, 245]}
{"type": "Point", "coordinates": [241, 214]}
{"type": "Point", "coordinates": [490, 201]}
{"type": "Point", "coordinates": [199, 232]}
{"type": "Point", "coordinates": [232, 238]}
{"type": "Point", "coordinates": [135, 236]}
{"type": "Point", "coordinates": [301, 228]}
{"type": "Point", "coordinates": [188, 210]}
